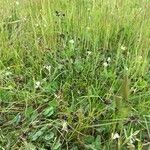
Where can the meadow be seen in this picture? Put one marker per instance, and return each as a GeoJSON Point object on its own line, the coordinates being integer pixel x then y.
{"type": "Point", "coordinates": [74, 74]}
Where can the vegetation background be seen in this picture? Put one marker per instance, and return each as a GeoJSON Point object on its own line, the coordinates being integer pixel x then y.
{"type": "Point", "coordinates": [74, 74]}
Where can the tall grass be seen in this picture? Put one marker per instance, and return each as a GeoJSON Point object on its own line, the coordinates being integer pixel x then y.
{"type": "Point", "coordinates": [74, 74]}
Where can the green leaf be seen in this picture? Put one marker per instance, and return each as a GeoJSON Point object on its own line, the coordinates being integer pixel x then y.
{"type": "Point", "coordinates": [89, 139]}
{"type": "Point", "coordinates": [31, 113]}
{"type": "Point", "coordinates": [49, 136]}
{"type": "Point", "coordinates": [17, 119]}
{"type": "Point", "coordinates": [78, 64]}
{"type": "Point", "coordinates": [97, 142]}
{"type": "Point", "coordinates": [57, 145]}
{"type": "Point", "coordinates": [29, 146]}
{"type": "Point", "coordinates": [53, 103]}
{"type": "Point", "coordinates": [37, 135]}
{"type": "Point", "coordinates": [48, 111]}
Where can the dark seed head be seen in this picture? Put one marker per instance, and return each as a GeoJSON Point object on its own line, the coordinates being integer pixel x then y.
{"type": "Point", "coordinates": [64, 117]}
{"type": "Point", "coordinates": [108, 101]}
{"type": "Point", "coordinates": [62, 35]}
{"type": "Point", "coordinates": [63, 15]}
{"type": "Point", "coordinates": [132, 119]}
{"type": "Point", "coordinates": [57, 13]}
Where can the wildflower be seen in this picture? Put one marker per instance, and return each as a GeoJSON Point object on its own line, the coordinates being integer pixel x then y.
{"type": "Point", "coordinates": [115, 136]}
{"type": "Point", "coordinates": [44, 80]}
{"type": "Point", "coordinates": [24, 18]}
{"type": "Point", "coordinates": [48, 67]}
{"type": "Point", "coordinates": [37, 84]}
{"type": "Point", "coordinates": [126, 68]}
{"type": "Point", "coordinates": [57, 96]}
{"type": "Point", "coordinates": [71, 41]}
{"type": "Point", "coordinates": [89, 52]}
{"type": "Point", "coordinates": [8, 73]}
{"type": "Point", "coordinates": [36, 24]}
{"type": "Point", "coordinates": [140, 57]}
{"type": "Point", "coordinates": [64, 126]}
{"type": "Point", "coordinates": [17, 2]}
{"type": "Point", "coordinates": [105, 64]}
{"type": "Point", "coordinates": [123, 48]}
{"type": "Point", "coordinates": [108, 59]}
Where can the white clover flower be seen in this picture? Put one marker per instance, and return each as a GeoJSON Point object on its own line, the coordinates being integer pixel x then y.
{"type": "Point", "coordinates": [8, 73]}
{"type": "Point", "coordinates": [36, 24]}
{"type": "Point", "coordinates": [108, 59]}
{"type": "Point", "coordinates": [71, 41]}
{"type": "Point", "coordinates": [123, 48]}
{"type": "Point", "coordinates": [64, 126]}
{"type": "Point", "coordinates": [140, 57]}
{"type": "Point", "coordinates": [44, 80]}
{"type": "Point", "coordinates": [48, 67]}
{"type": "Point", "coordinates": [58, 96]}
{"type": "Point", "coordinates": [115, 136]}
{"type": "Point", "coordinates": [105, 64]}
{"type": "Point", "coordinates": [25, 18]}
{"type": "Point", "coordinates": [126, 68]}
{"type": "Point", "coordinates": [17, 2]}
{"type": "Point", "coordinates": [89, 52]}
{"type": "Point", "coordinates": [37, 84]}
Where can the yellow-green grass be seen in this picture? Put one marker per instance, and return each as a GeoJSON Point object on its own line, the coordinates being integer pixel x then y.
{"type": "Point", "coordinates": [74, 74]}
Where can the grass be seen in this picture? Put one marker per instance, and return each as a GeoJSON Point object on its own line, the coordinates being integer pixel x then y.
{"type": "Point", "coordinates": [74, 74]}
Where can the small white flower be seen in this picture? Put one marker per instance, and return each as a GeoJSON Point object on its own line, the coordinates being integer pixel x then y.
{"type": "Point", "coordinates": [89, 52]}
{"type": "Point", "coordinates": [133, 89]}
{"type": "Point", "coordinates": [140, 57]}
{"type": "Point", "coordinates": [48, 67]}
{"type": "Point", "coordinates": [123, 48]}
{"type": "Point", "coordinates": [8, 73]}
{"type": "Point", "coordinates": [115, 136]}
{"type": "Point", "coordinates": [105, 64]}
{"type": "Point", "coordinates": [108, 59]}
{"type": "Point", "coordinates": [57, 96]}
{"type": "Point", "coordinates": [64, 126]}
{"type": "Point", "coordinates": [17, 2]}
{"type": "Point", "coordinates": [44, 80]}
{"type": "Point", "coordinates": [71, 41]}
{"type": "Point", "coordinates": [37, 84]}
{"type": "Point", "coordinates": [126, 68]}
{"type": "Point", "coordinates": [24, 18]}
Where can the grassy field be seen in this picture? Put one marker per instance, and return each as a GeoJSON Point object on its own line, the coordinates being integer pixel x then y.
{"type": "Point", "coordinates": [74, 74]}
